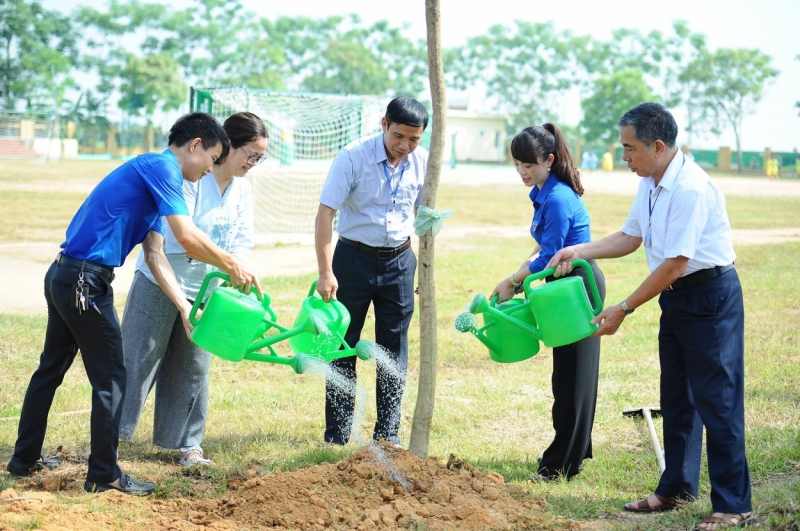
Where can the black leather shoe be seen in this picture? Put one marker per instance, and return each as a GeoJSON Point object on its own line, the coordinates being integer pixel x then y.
{"type": "Point", "coordinates": [18, 467]}
{"type": "Point", "coordinates": [539, 478]}
{"type": "Point", "coordinates": [128, 485]}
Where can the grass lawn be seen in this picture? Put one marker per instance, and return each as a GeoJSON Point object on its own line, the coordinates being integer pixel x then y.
{"type": "Point", "coordinates": [495, 416]}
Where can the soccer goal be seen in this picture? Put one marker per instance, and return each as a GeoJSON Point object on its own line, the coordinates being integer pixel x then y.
{"type": "Point", "coordinates": [306, 131]}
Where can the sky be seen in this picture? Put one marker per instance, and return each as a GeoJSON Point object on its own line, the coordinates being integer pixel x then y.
{"type": "Point", "coordinates": [770, 25]}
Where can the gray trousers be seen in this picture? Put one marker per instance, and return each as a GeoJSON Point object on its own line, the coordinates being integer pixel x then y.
{"type": "Point", "coordinates": [158, 352]}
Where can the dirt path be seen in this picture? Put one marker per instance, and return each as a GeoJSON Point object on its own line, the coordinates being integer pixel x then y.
{"type": "Point", "coordinates": [23, 265]}
{"type": "Point", "coordinates": [26, 264]}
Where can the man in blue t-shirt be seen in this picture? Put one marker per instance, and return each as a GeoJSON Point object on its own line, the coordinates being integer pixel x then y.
{"type": "Point", "coordinates": [123, 210]}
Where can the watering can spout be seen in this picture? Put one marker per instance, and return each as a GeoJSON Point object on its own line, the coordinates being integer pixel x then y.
{"type": "Point", "coordinates": [479, 304]}
{"type": "Point", "coordinates": [365, 349]}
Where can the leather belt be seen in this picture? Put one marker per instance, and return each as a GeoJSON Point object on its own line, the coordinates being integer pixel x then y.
{"type": "Point", "coordinates": [100, 269]}
{"type": "Point", "coordinates": [382, 253]}
{"type": "Point", "coordinates": [700, 276]}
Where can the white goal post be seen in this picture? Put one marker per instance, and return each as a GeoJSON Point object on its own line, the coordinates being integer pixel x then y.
{"type": "Point", "coordinates": [306, 131]}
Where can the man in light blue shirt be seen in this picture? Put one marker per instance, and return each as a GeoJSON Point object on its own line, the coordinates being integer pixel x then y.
{"type": "Point", "coordinates": [375, 184]}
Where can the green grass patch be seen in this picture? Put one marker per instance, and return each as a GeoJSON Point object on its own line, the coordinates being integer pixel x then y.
{"type": "Point", "coordinates": [495, 416]}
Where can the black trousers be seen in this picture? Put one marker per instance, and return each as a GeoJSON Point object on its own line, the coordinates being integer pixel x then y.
{"type": "Point", "coordinates": [701, 350]}
{"type": "Point", "coordinates": [98, 337]}
{"type": "Point", "coordinates": [574, 383]}
{"type": "Point", "coordinates": [388, 285]}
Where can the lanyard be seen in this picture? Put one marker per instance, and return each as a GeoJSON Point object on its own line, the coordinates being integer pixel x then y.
{"type": "Point", "coordinates": [389, 179]}
{"type": "Point", "coordinates": [652, 205]}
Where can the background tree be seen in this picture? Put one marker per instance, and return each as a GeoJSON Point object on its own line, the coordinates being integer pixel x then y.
{"type": "Point", "coordinates": [612, 96]}
{"type": "Point", "coordinates": [38, 54]}
{"type": "Point", "coordinates": [526, 69]}
{"type": "Point", "coordinates": [106, 34]}
{"type": "Point", "coordinates": [729, 84]}
{"type": "Point", "coordinates": [156, 80]}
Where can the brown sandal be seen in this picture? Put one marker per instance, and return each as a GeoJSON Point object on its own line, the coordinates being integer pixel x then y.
{"type": "Point", "coordinates": [643, 505]}
{"type": "Point", "coordinates": [727, 520]}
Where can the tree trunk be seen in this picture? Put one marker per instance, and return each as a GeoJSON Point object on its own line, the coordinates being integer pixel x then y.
{"type": "Point", "coordinates": [426, 393]}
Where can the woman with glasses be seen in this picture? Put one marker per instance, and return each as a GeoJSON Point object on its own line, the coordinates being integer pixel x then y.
{"type": "Point", "coordinates": [542, 160]}
{"type": "Point", "coordinates": [155, 330]}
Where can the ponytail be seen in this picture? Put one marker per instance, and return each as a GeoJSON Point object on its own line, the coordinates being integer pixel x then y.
{"type": "Point", "coordinates": [562, 165]}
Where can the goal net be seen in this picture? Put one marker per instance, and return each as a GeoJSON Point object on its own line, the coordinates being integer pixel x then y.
{"type": "Point", "coordinates": [306, 131]}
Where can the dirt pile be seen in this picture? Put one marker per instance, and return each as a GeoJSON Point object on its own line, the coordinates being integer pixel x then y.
{"type": "Point", "coordinates": [379, 487]}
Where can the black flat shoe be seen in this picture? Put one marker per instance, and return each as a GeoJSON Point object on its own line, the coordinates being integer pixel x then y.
{"type": "Point", "coordinates": [128, 485]}
{"type": "Point", "coordinates": [18, 467]}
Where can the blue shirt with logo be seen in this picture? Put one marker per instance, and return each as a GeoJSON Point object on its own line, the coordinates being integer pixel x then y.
{"type": "Point", "coordinates": [126, 205]}
{"type": "Point", "coordinates": [560, 219]}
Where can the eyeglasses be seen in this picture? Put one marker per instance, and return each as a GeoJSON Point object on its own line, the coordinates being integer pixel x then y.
{"type": "Point", "coordinates": [253, 159]}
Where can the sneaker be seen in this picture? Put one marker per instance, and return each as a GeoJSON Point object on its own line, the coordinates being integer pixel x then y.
{"type": "Point", "coordinates": [18, 467]}
{"type": "Point", "coordinates": [127, 485]}
{"type": "Point", "coordinates": [193, 457]}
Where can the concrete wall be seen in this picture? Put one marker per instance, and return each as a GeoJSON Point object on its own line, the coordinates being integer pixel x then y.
{"type": "Point", "coordinates": [478, 138]}
{"type": "Point", "coordinates": [56, 148]}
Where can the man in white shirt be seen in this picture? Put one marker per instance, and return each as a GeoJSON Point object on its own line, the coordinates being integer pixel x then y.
{"type": "Point", "coordinates": [679, 215]}
{"type": "Point", "coordinates": [375, 184]}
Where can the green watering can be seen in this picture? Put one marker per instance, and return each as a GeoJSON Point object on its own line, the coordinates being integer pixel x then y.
{"type": "Point", "coordinates": [557, 313]}
{"type": "Point", "coordinates": [508, 330]}
{"type": "Point", "coordinates": [233, 326]}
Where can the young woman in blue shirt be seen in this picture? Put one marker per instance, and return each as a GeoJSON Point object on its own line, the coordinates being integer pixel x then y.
{"type": "Point", "coordinates": [542, 160]}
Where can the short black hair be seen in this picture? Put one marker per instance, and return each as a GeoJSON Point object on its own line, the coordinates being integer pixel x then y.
{"type": "Point", "coordinates": [407, 111]}
{"type": "Point", "coordinates": [651, 122]}
{"type": "Point", "coordinates": [199, 125]}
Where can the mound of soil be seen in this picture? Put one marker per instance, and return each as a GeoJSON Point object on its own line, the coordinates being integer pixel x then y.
{"type": "Point", "coordinates": [379, 487]}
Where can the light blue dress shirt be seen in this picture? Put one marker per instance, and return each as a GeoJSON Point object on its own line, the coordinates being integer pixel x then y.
{"type": "Point", "coordinates": [364, 188]}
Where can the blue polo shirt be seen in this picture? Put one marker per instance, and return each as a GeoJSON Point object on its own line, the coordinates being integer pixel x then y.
{"type": "Point", "coordinates": [560, 219]}
{"type": "Point", "coordinates": [126, 205]}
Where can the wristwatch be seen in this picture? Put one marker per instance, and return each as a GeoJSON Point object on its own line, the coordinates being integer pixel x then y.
{"type": "Point", "coordinates": [515, 285]}
{"type": "Point", "coordinates": [624, 305]}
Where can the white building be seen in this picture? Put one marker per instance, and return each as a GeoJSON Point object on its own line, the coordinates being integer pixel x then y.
{"type": "Point", "coordinates": [478, 137]}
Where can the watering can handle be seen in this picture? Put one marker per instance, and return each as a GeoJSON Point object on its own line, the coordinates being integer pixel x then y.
{"type": "Point", "coordinates": [598, 304]}
{"type": "Point", "coordinates": [313, 292]}
{"type": "Point", "coordinates": [202, 292]}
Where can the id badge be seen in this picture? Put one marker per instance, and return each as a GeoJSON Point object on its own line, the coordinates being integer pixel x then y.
{"type": "Point", "coordinates": [647, 239]}
{"type": "Point", "coordinates": [394, 221]}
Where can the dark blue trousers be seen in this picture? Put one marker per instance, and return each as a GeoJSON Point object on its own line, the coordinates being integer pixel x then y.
{"type": "Point", "coordinates": [388, 285]}
{"type": "Point", "coordinates": [701, 350]}
{"type": "Point", "coordinates": [97, 336]}
{"type": "Point", "coordinates": [574, 382]}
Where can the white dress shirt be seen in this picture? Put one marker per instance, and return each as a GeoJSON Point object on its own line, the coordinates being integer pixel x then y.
{"type": "Point", "coordinates": [366, 189]}
{"type": "Point", "coordinates": [688, 218]}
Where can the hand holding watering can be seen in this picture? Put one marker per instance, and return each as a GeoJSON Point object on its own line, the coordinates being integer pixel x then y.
{"type": "Point", "coordinates": [235, 326]}
{"type": "Point", "coordinates": [557, 313]}
{"type": "Point", "coordinates": [609, 320]}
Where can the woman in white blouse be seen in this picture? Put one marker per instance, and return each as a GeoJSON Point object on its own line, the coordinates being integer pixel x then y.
{"type": "Point", "coordinates": [155, 338]}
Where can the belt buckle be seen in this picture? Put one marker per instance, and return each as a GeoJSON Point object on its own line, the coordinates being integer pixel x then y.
{"type": "Point", "coordinates": [388, 254]}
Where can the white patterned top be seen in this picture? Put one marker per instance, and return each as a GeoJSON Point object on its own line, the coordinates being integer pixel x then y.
{"type": "Point", "coordinates": [226, 219]}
